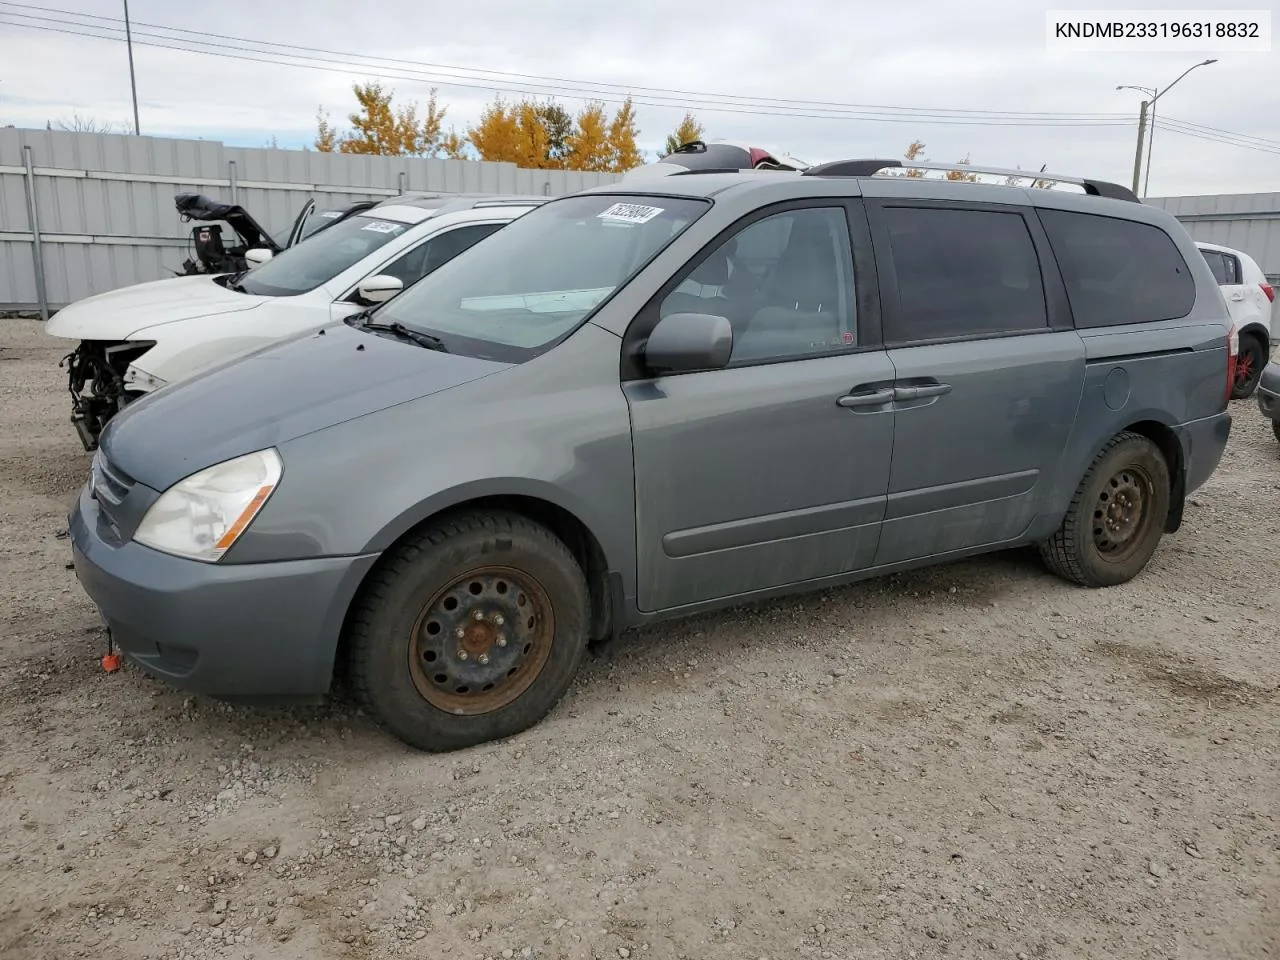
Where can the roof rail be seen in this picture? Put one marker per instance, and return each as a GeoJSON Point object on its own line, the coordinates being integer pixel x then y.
{"type": "Point", "coordinates": [869, 168]}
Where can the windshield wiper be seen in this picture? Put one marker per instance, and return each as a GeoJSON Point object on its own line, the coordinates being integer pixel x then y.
{"type": "Point", "coordinates": [399, 329]}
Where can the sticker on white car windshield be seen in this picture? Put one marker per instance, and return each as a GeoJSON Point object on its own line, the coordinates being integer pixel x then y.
{"type": "Point", "coordinates": [382, 226]}
{"type": "Point", "coordinates": [630, 213]}
{"type": "Point", "coordinates": [330, 214]}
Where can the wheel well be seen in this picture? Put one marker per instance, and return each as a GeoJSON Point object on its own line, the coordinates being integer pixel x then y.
{"type": "Point", "coordinates": [568, 528]}
{"type": "Point", "coordinates": [1171, 449]}
{"type": "Point", "coordinates": [1258, 333]}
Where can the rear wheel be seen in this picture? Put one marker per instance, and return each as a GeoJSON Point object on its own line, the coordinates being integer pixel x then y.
{"type": "Point", "coordinates": [1116, 518]}
{"type": "Point", "coordinates": [471, 631]}
{"type": "Point", "coordinates": [1275, 428]}
{"type": "Point", "coordinates": [1249, 364]}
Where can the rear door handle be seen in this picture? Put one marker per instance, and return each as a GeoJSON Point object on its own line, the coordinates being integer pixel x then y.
{"type": "Point", "coordinates": [875, 398]}
{"type": "Point", "coordinates": [918, 393]}
{"type": "Point", "coordinates": [1236, 296]}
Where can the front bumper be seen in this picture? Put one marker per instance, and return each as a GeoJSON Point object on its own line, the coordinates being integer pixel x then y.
{"type": "Point", "coordinates": [261, 631]}
{"type": "Point", "coordinates": [1268, 392]}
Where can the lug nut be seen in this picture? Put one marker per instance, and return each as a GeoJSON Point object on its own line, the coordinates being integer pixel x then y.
{"type": "Point", "coordinates": [499, 620]}
{"type": "Point", "coordinates": [459, 633]}
{"type": "Point", "coordinates": [502, 641]}
{"type": "Point", "coordinates": [484, 658]}
{"type": "Point", "coordinates": [462, 654]}
{"type": "Point", "coordinates": [477, 615]}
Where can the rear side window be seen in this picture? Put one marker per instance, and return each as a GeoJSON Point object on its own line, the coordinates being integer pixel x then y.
{"type": "Point", "coordinates": [1231, 268]}
{"type": "Point", "coordinates": [962, 273]}
{"type": "Point", "coordinates": [1118, 271]}
{"type": "Point", "coordinates": [1217, 264]}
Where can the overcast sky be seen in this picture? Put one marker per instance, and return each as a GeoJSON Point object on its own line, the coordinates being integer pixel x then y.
{"type": "Point", "coordinates": [988, 56]}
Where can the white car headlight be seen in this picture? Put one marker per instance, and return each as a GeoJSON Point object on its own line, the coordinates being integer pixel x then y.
{"type": "Point", "coordinates": [202, 516]}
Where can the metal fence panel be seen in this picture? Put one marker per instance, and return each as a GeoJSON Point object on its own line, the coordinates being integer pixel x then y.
{"type": "Point", "coordinates": [105, 201]}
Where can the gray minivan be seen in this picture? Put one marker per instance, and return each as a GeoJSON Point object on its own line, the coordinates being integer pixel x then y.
{"type": "Point", "coordinates": [654, 399]}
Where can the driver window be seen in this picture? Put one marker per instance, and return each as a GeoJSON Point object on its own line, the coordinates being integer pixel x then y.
{"type": "Point", "coordinates": [785, 284]}
{"type": "Point", "coordinates": [415, 264]}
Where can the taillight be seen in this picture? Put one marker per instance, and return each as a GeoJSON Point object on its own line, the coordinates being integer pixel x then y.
{"type": "Point", "coordinates": [1233, 351]}
{"type": "Point", "coordinates": [1269, 291]}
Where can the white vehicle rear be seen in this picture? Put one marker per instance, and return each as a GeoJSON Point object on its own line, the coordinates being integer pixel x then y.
{"type": "Point", "coordinates": [1249, 297]}
{"type": "Point", "coordinates": [137, 339]}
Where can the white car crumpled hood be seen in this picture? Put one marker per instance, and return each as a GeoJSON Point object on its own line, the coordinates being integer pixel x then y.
{"type": "Point", "coordinates": [117, 314]}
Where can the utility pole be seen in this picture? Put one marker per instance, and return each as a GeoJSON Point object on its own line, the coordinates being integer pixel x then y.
{"type": "Point", "coordinates": [1137, 154]}
{"type": "Point", "coordinates": [133, 83]}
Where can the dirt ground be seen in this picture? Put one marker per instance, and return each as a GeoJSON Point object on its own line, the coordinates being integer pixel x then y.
{"type": "Point", "coordinates": [972, 761]}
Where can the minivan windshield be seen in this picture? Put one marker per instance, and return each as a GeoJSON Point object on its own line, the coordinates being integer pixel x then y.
{"type": "Point", "coordinates": [305, 266]}
{"type": "Point", "coordinates": [537, 278]}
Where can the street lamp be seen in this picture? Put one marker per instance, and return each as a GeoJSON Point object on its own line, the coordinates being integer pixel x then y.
{"type": "Point", "coordinates": [1142, 122]}
{"type": "Point", "coordinates": [133, 83]}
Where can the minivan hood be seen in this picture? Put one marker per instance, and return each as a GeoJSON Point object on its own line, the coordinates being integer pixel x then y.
{"type": "Point", "coordinates": [116, 314]}
{"type": "Point", "coordinates": [281, 392]}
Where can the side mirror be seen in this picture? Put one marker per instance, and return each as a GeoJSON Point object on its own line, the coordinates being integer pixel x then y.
{"type": "Point", "coordinates": [380, 288]}
{"type": "Point", "coordinates": [683, 342]}
{"type": "Point", "coordinates": [257, 255]}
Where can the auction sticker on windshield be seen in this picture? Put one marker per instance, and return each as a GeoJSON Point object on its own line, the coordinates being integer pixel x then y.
{"type": "Point", "coordinates": [630, 213]}
{"type": "Point", "coordinates": [383, 226]}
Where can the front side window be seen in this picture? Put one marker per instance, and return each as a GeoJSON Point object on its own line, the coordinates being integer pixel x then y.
{"type": "Point", "coordinates": [785, 283]}
{"type": "Point", "coordinates": [305, 266]}
{"type": "Point", "coordinates": [1118, 271]}
{"type": "Point", "coordinates": [411, 267]}
{"type": "Point", "coordinates": [539, 277]}
{"type": "Point", "coordinates": [962, 273]}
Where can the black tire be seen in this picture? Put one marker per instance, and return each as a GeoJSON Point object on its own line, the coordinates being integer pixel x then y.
{"type": "Point", "coordinates": [530, 614]}
{"type": "Point", "coordinates": [1275, 428]}
{"type": "Point", "coordinates": [1091, 547]}
{"type": "Point", "coordinates": [1249, 363]}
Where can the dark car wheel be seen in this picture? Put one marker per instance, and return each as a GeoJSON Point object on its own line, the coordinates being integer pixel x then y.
{"type": "Point", "coordinates": [1116, 518]}
{"type": "Point", "coordinates": [1249, 363]}
{"type": "Point", "coordinates": [470, 631]}
{"type": "Point", "coordinates": [1275, 428]}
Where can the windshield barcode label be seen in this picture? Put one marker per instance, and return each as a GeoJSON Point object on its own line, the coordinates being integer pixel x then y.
{"type": "Point", "coordinates": [381, 226]}
{"type": "Point", "coordinates": [630, 213]}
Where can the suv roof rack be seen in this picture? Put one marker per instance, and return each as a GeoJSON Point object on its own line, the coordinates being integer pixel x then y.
{"type": "Point", "coordinates": [869, 168]}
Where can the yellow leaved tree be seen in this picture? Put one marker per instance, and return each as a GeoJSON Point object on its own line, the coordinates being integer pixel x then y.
{"type": "Point", "coordinates": [382, 129]}
{"type": "Point", "coordinates": [688, 131]}
{"type": "Point", "coordinates": [589, 147]}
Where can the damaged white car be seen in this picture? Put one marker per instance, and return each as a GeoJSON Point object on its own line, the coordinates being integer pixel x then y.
{"type": "Point", "coordinates": [137, 339]}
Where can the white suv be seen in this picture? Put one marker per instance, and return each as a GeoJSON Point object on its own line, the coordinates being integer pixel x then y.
{"type": "Point", "coordinates": [137, 339]}
{"type": "Point", "coordinates": [1249, 297]}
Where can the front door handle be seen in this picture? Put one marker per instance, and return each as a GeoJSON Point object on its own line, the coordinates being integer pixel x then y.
{"type": "Point", "coordinates": [875, 398]}
{"type": "Point", "coordinates": [920, 392]}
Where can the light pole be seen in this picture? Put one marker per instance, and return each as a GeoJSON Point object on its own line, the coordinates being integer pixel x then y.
{"type": "Point", "coordinates": [133, 83]}
{"type": "Point", "coordinates": [1142, 122]}
{"type": "Point", "coordinates": [1142, 127]}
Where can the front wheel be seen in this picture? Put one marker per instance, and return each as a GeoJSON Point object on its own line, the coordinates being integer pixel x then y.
{"type": "Point", "coordinates": [470, 631]}
{"type": "Point", "coordinates": [1116, 518]}
{"type": "Point", "coordinates": [1249, 364]}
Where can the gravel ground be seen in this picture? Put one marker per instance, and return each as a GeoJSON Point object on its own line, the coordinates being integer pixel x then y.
{"type": "Point", "coordinates": [972, 761]}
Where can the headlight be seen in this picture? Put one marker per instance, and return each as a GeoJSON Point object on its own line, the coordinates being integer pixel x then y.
{"type": "Point", "coordinates": [202, 516]}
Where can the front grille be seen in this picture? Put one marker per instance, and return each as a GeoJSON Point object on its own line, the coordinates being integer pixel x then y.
{"type": "Point", "coordinates": [110, 487]}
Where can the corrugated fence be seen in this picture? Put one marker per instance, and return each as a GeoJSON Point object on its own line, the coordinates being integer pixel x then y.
{"type": "Point", "coordinates": [104, 216]}
{"type": "Point", "coordinates": [1244, 221]}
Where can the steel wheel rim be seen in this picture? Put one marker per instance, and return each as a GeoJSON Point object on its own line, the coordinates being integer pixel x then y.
{"type": "Point", "coordinates": [1122, 514]}
{"type": "Point", "coordinates": [481, 641]}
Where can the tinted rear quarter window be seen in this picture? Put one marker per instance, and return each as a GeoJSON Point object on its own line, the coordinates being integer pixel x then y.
{"type": "Point", "coordinates": [1118, 271]}
{"type": "Point", "coordinates": [962, 273]}
{"type": "Point", "coordinates": [1217, 264]}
